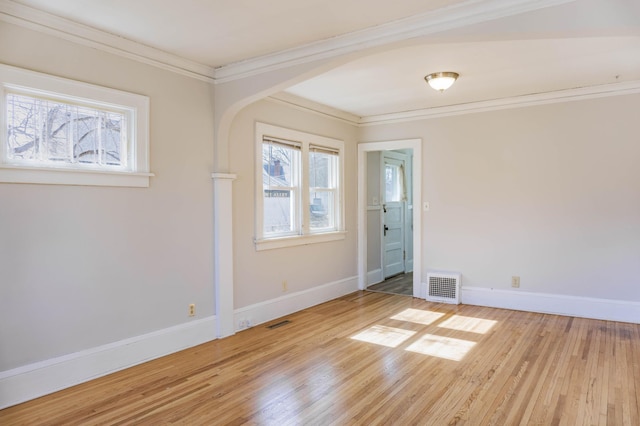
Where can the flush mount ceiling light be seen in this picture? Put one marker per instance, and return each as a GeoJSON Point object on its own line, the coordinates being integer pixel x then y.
{"type": "Point", "coordinates": [441, 80]}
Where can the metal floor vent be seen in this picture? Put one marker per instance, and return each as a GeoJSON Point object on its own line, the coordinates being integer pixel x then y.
{"type": "Point", "coordinates": [443, 287]}
{"type": "Point", "coordinates": [279, 324]}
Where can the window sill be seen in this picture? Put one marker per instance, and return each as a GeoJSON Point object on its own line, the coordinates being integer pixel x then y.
{"type": "Point", "coordinates": [52, 176]}
{"type": "Point", "coordinates": [299, 240]}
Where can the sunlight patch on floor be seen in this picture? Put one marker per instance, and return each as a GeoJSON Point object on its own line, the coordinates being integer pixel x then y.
{"type": "Point", "coordinates": [442, 347]}
{"type": "Point", "coordinates": [418, 316]}
{"type": "Point", "coordinates": [384, 336]}
{"type": "Point", "coordinates": [470, 324]}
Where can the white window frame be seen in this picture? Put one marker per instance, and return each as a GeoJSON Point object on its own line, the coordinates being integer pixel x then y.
{"type": "Point", "coordinates": [304, 235]}
{"type": "Point", "coordinates": [134, 107]}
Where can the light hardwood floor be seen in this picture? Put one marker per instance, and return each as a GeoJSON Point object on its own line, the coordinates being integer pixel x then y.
{"type": "Point", "coordinates": [399, 284]}
{"type": "Point", "coordinates": [372, 358]}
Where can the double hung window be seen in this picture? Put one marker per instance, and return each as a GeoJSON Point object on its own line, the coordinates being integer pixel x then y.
{"type": "Point", "coordinates": [299, 187]}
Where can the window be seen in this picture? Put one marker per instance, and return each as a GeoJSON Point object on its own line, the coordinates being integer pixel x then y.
{"type": "Point", "coordinates": [59, 131]}
{"type": "Point", "coordinates": [298, 188]}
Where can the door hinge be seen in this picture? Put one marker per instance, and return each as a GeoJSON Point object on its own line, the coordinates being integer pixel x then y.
{"type": "Point", "coordinates": [404, 255]}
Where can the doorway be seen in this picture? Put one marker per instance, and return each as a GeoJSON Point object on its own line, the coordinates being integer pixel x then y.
{"type": "Point", "coordinates": [389, 215]}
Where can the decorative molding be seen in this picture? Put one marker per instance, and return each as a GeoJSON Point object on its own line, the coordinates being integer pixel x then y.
{"type": "Point", "coordinates": [446, 18]}
{"type": "Point", "coordinates": [568, 95]}
{"type": "Point", "coordinates": [41, 378]}
{"type": "Point", "coordinates": [222, 176]}
{"type": "Point", "coordinates": [459, 15]}
{"type": "Point", "coordinates": [310, 106]}
{"type": "Point", "coordinates": [557, 304]}
{"type": "Point", "coordinates": [374, 277]}
{"type": "Point", "coordinates": [263, 312]}
{"type": "Point", "coordinates": [223, 251]}
{"type": "Point", "coordinates": [28, 17]}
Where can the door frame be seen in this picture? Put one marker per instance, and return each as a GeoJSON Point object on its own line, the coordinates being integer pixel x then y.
{"type": "Point", "coordinates": [363, 149]}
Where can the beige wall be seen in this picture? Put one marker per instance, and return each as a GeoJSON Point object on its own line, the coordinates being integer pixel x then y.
{"type": "Point", "coordinates": [85, 266]}
{"type": "Point", "coordinates": [258, 276]}
{"type": "Point", "coordinates": [550, 193]}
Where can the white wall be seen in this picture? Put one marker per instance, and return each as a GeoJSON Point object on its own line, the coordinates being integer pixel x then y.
{"type": "Point", "coordinates": [258, 276]}
{"type": "Point", "coordinates": [82, 267]}
{"type": "Point", "coordinates": [550, 193]}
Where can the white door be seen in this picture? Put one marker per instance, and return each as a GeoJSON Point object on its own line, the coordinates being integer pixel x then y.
{"type": "Point", "coordinates": [393, 215]}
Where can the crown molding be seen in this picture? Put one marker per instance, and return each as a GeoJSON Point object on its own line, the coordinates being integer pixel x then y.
{"type": "Point", "coordinates": [466, 13]}
{"type": "Point", "coordinates": [568, 95]}
{"type": "Point", "coordinates": [456, 16]}
{"type": "Point", "coordinates": [307, 105]}
{"type": "Point", "coordinates": [47, 23]}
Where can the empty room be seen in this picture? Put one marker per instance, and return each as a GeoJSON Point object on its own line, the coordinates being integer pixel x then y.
{"type": "Point", "coordinates": [320, 213]}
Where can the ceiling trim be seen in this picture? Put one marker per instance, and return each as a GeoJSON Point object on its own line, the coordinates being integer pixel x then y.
{"type": "Point", "coordinates": [47, 23]}
{"type": "Point", "coordinates": [310, 106]}
{"type": "Point", "coordinates": [568, 95]}
{"type": "Point", "coordinates": [466, 13]}
{"type": "Point", "coordinates": [456, 16]}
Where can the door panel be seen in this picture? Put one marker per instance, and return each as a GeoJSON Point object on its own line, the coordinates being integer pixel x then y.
{"type": "Point", "coordinates": [393, 214]}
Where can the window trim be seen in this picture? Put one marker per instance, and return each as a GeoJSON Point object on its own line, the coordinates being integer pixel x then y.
{"type": "Point", "coordinates": [304, 236]}
{"type": "Point", "coordinates": [134, 106]}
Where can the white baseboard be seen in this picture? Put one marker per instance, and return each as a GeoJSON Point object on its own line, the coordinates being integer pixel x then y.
{"type": "Point", "coordinates": [374, 277]}
{"type": "Point", "coordinates": [408, 266]}
{"type": "Point", "coordinates": [260, 313]}
{"type": "Point", "coordinates": [575, 306]}
{"type": "Point", "coordinates": [34, 380]}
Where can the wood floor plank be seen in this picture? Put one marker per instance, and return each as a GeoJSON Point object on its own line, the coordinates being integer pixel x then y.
{"type": "Point", "coordinates": [372, 358]}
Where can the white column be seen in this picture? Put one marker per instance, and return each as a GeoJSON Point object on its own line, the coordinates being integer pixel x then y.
{"type": "Point", "coordinates": [223, 252]}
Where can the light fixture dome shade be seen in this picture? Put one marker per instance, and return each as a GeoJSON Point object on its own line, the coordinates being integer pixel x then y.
{"type": "Point", "coordinates": [441, 80]}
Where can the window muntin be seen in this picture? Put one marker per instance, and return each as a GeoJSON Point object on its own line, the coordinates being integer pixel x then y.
{"type": "Point", "coordinates": [59, 131]}
{"type": "Point", "coordinates": [54, 133]}
{"type": "Point", "coordinates": [300, 196]}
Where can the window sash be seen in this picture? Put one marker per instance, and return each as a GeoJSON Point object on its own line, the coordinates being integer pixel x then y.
{"type": "Point", "coordinates": [313, 217]}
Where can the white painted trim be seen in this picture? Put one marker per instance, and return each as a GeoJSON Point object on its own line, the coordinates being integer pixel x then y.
{"type": "Point", "coordinates": [363, 148]}
{"type": "Point", "coordinates": [230, 176]}
{"type": "Point", "coordinates": [299, 240]}
{"type": "Point", "coordinates": [456, 16]}
{"type": "Point", "coordinates": [447, 18]}
{"type": "Point", "coordinates": [568, 95]}
{"type": "Point", "coordinates": [41, 378]}
{"type": "Point", "coordinates": [223, 251]}
{"type": "Point", "coordinates": [263, 312]}
{"type": "Point", "coordinates": [374, 277]}
{"type": "Point", "coordinates": [312, 107]}
{"type": "Point", "coordinates": [51, 176]}
{"type": "Point", "coordinates": [408, 265]}
{"type": "Point", "coordinates": [47, 23]}
{"type": "Point", "coordinates": [558, 304]}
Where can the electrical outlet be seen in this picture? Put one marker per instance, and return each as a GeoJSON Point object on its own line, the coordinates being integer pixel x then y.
{"type": "Point", "coordinates": [192, 309]}
{"type": "Point", "coordinates": [285, 288]}
{"type": "Point", "coordinates": [515, 282]}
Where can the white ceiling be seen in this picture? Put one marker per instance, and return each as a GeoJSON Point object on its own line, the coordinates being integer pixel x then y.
{"type": "Point", "coordinates": [573, 44]}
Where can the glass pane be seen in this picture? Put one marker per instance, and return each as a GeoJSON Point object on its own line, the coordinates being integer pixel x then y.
{"type": "Point", "coordinates": [322, 210]}
{"type": "Point", "coordinates": [322, 167]}
{"type": "Point", "coordinates": [278, 211]}
{"type": "Point", "coordinates": [46, 131]}
{"type": "Point", "coordinates": [393, 190]}
{"type": "Point", "coordinates": [279, 177]}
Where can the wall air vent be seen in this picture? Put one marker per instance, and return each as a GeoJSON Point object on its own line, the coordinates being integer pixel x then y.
{"type": "Point", "coordinates": [443, 287]}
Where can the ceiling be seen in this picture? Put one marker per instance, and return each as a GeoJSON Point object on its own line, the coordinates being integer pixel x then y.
{"type": "Point", "coordinates": [568, 45]}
